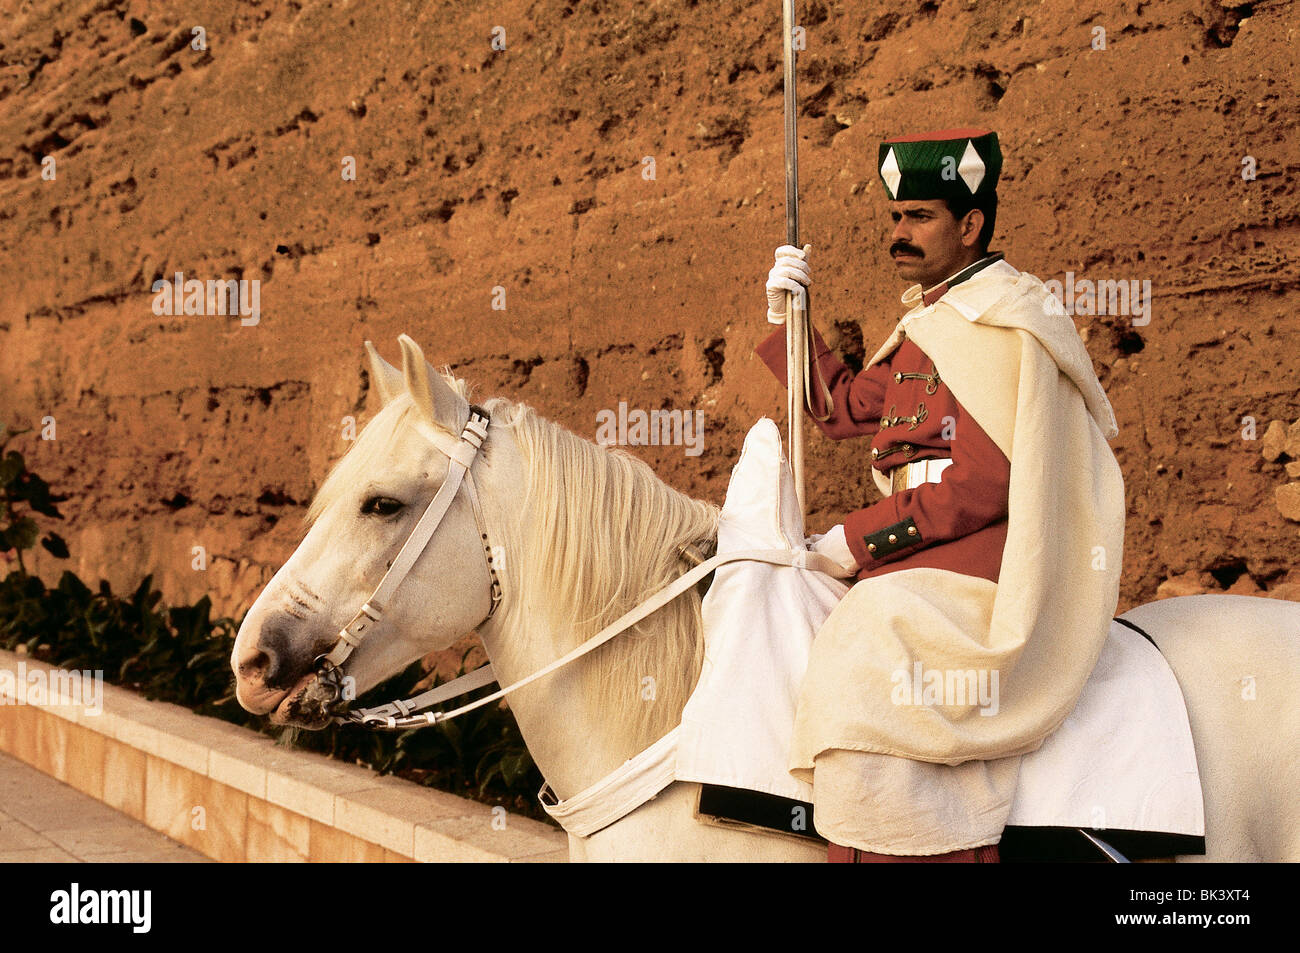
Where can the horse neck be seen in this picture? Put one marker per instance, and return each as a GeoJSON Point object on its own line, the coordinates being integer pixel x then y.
{"type": "Point", "coordinates": [607, 555]}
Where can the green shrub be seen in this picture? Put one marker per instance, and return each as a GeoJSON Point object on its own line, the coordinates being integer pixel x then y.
{"type": "Point", "coordinates": [182, 655]}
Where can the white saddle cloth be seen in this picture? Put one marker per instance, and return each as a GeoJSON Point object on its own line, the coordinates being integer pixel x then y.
{"type": "Point", "coordinates": [1122, 760]}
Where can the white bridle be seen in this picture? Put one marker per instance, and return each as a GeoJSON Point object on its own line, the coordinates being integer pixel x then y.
{"type": "Point", "coordinates": [415, 712]}
{"type": "Point", "coordinates": [461, 454]}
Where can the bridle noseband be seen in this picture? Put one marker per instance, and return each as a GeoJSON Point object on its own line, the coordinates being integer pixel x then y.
{"type": "Point", "coordinates": [461, 453]}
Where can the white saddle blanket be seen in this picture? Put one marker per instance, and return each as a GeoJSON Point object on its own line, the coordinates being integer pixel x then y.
{"type": "Point", "coordinates": [1122, 760]}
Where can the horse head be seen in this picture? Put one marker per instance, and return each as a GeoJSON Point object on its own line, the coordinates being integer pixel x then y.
{"type": "Point", "coordinates": [580, 534]}
{"type": "Point", "coordinates": [360, 519]}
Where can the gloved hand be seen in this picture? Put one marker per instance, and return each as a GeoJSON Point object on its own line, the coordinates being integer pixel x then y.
{"type": "Point", "coordinates": [834, 545]}
{"type": "Point", "coordinates": [790, 273]}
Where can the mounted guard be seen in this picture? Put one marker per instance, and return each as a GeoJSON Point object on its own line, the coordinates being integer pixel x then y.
{"type": "Point", "coordinates": [988, 574]}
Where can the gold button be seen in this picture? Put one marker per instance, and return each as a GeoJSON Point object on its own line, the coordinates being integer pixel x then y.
{"type": "Point", "coordinates": [874, 453]}
{"type": "Point", "coordinates": [898, 377]}
{"type": "Point", "coordinates": [893, 538]}
{"type": "Point", "coordinates": [911, 531]}
{"type": "Point", "coordinates": [871, 547]}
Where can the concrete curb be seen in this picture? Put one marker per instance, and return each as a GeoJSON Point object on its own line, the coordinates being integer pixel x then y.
{"type": "Point", "coordinates": [233, 794]}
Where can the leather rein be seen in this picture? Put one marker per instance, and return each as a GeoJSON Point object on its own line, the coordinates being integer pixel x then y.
{"type": "Point", "coordinates": [415, 712]}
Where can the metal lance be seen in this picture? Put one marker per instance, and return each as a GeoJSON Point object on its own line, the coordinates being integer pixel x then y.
{"type": "Point", "coordinates": [796, 305]}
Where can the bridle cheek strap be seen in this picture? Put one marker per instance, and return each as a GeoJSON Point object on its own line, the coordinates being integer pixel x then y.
{"type": "Point", "coordinates": [461, 454]}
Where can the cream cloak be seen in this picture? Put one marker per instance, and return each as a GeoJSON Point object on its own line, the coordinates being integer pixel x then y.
{"type": "Point", "coordinates": [1011, 658]}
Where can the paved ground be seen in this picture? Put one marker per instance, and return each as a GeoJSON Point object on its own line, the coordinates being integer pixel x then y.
{"type": "Point", "coordinates": [42, 819]}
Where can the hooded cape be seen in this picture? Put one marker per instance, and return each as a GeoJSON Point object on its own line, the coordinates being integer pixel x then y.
{"type": "Point", "coordinates": [1011, 658]}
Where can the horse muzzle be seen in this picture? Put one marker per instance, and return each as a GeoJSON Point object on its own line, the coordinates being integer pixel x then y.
{"type": "Point", "coordinates": [310, 703]}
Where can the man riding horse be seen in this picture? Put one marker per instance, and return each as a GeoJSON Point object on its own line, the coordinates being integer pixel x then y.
{"type": "Point", "coordinates": [989, 572]}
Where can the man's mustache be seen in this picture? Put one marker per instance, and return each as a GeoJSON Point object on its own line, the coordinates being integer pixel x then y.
{"type": "Point", "coordinates": [905, 248]}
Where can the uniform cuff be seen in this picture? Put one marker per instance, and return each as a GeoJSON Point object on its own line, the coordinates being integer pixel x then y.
{"type": "Point", "coordinates": [873, 548]}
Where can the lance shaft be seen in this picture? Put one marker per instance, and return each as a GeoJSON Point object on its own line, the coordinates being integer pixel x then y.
{"type": "Point", "coordinates": [791, 130]}
{"type": "Point", "coordinates": [796, 325]}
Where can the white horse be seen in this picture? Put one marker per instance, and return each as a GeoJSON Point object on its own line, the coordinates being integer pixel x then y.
{"type": "Point", "coordinates": [582, 534]}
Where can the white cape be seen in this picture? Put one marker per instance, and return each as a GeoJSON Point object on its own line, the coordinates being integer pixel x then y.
{"type": "Point", "coordinates": [1123, 759]}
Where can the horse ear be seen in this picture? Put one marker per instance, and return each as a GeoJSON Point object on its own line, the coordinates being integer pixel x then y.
{"type": "Point", "coordinates": [388, 379]}
{"type": "Point", "coordinates": [435, 399]}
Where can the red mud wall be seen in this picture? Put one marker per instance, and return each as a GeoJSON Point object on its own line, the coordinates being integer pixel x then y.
{"type": "Point", "coordinates": [524, 169]}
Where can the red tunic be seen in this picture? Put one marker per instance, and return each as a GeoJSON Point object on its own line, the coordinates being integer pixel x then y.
{"type": "Point", "coordinates": [958, 524]}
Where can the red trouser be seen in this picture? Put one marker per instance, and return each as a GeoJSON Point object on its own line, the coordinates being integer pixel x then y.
{"type": "Point", "coordinates": [973, 855]}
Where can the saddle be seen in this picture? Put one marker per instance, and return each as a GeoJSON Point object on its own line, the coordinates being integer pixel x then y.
{"type": "Point", "coordinates": [1118, 780]}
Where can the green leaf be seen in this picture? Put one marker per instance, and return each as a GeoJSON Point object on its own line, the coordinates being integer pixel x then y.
{"type": "Point", "coordinates": [11, 465]}
{"type": "Point", "coordinates": [486, 778]}
{"type": "Point", "coordinates": [23, 533]}
{"type": "Point", "coordinates": [55, 545]}
{"type": "Point", "coordinates": [514, 767]}
{"type": "Point", "coordinates": [74, 588]}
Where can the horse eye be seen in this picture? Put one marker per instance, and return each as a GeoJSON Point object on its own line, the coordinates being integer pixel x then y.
{"type": "Point", "coordinates": [381, 506]}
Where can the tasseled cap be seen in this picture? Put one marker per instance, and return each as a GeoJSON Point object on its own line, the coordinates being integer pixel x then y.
{"type": "Point", "coordinates": [953, 163]}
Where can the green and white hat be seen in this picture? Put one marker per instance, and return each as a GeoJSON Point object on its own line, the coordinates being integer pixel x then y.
{"type": "Point", "coordinates": [953, 163]}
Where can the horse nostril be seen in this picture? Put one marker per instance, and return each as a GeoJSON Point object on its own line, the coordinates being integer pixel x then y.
{"type": "Point", "coordinates": [255, 667]}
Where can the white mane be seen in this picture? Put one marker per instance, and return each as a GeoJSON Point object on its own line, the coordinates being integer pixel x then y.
{"type": "Point", "coordinates": [602, 533]}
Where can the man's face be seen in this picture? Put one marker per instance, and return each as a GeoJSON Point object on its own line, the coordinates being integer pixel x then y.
{"type": "Point", "coordinates": [928, 244]}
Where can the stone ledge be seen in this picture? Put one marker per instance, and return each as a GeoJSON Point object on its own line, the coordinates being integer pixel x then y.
{"type": "Point", "coordinates": [234, 795]}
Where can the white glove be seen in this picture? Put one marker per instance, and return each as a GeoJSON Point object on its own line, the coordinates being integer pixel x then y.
{"type": "Point", "coordinates": [836, 547]}
{"type": "Point", "coordinates": [790, 273]}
